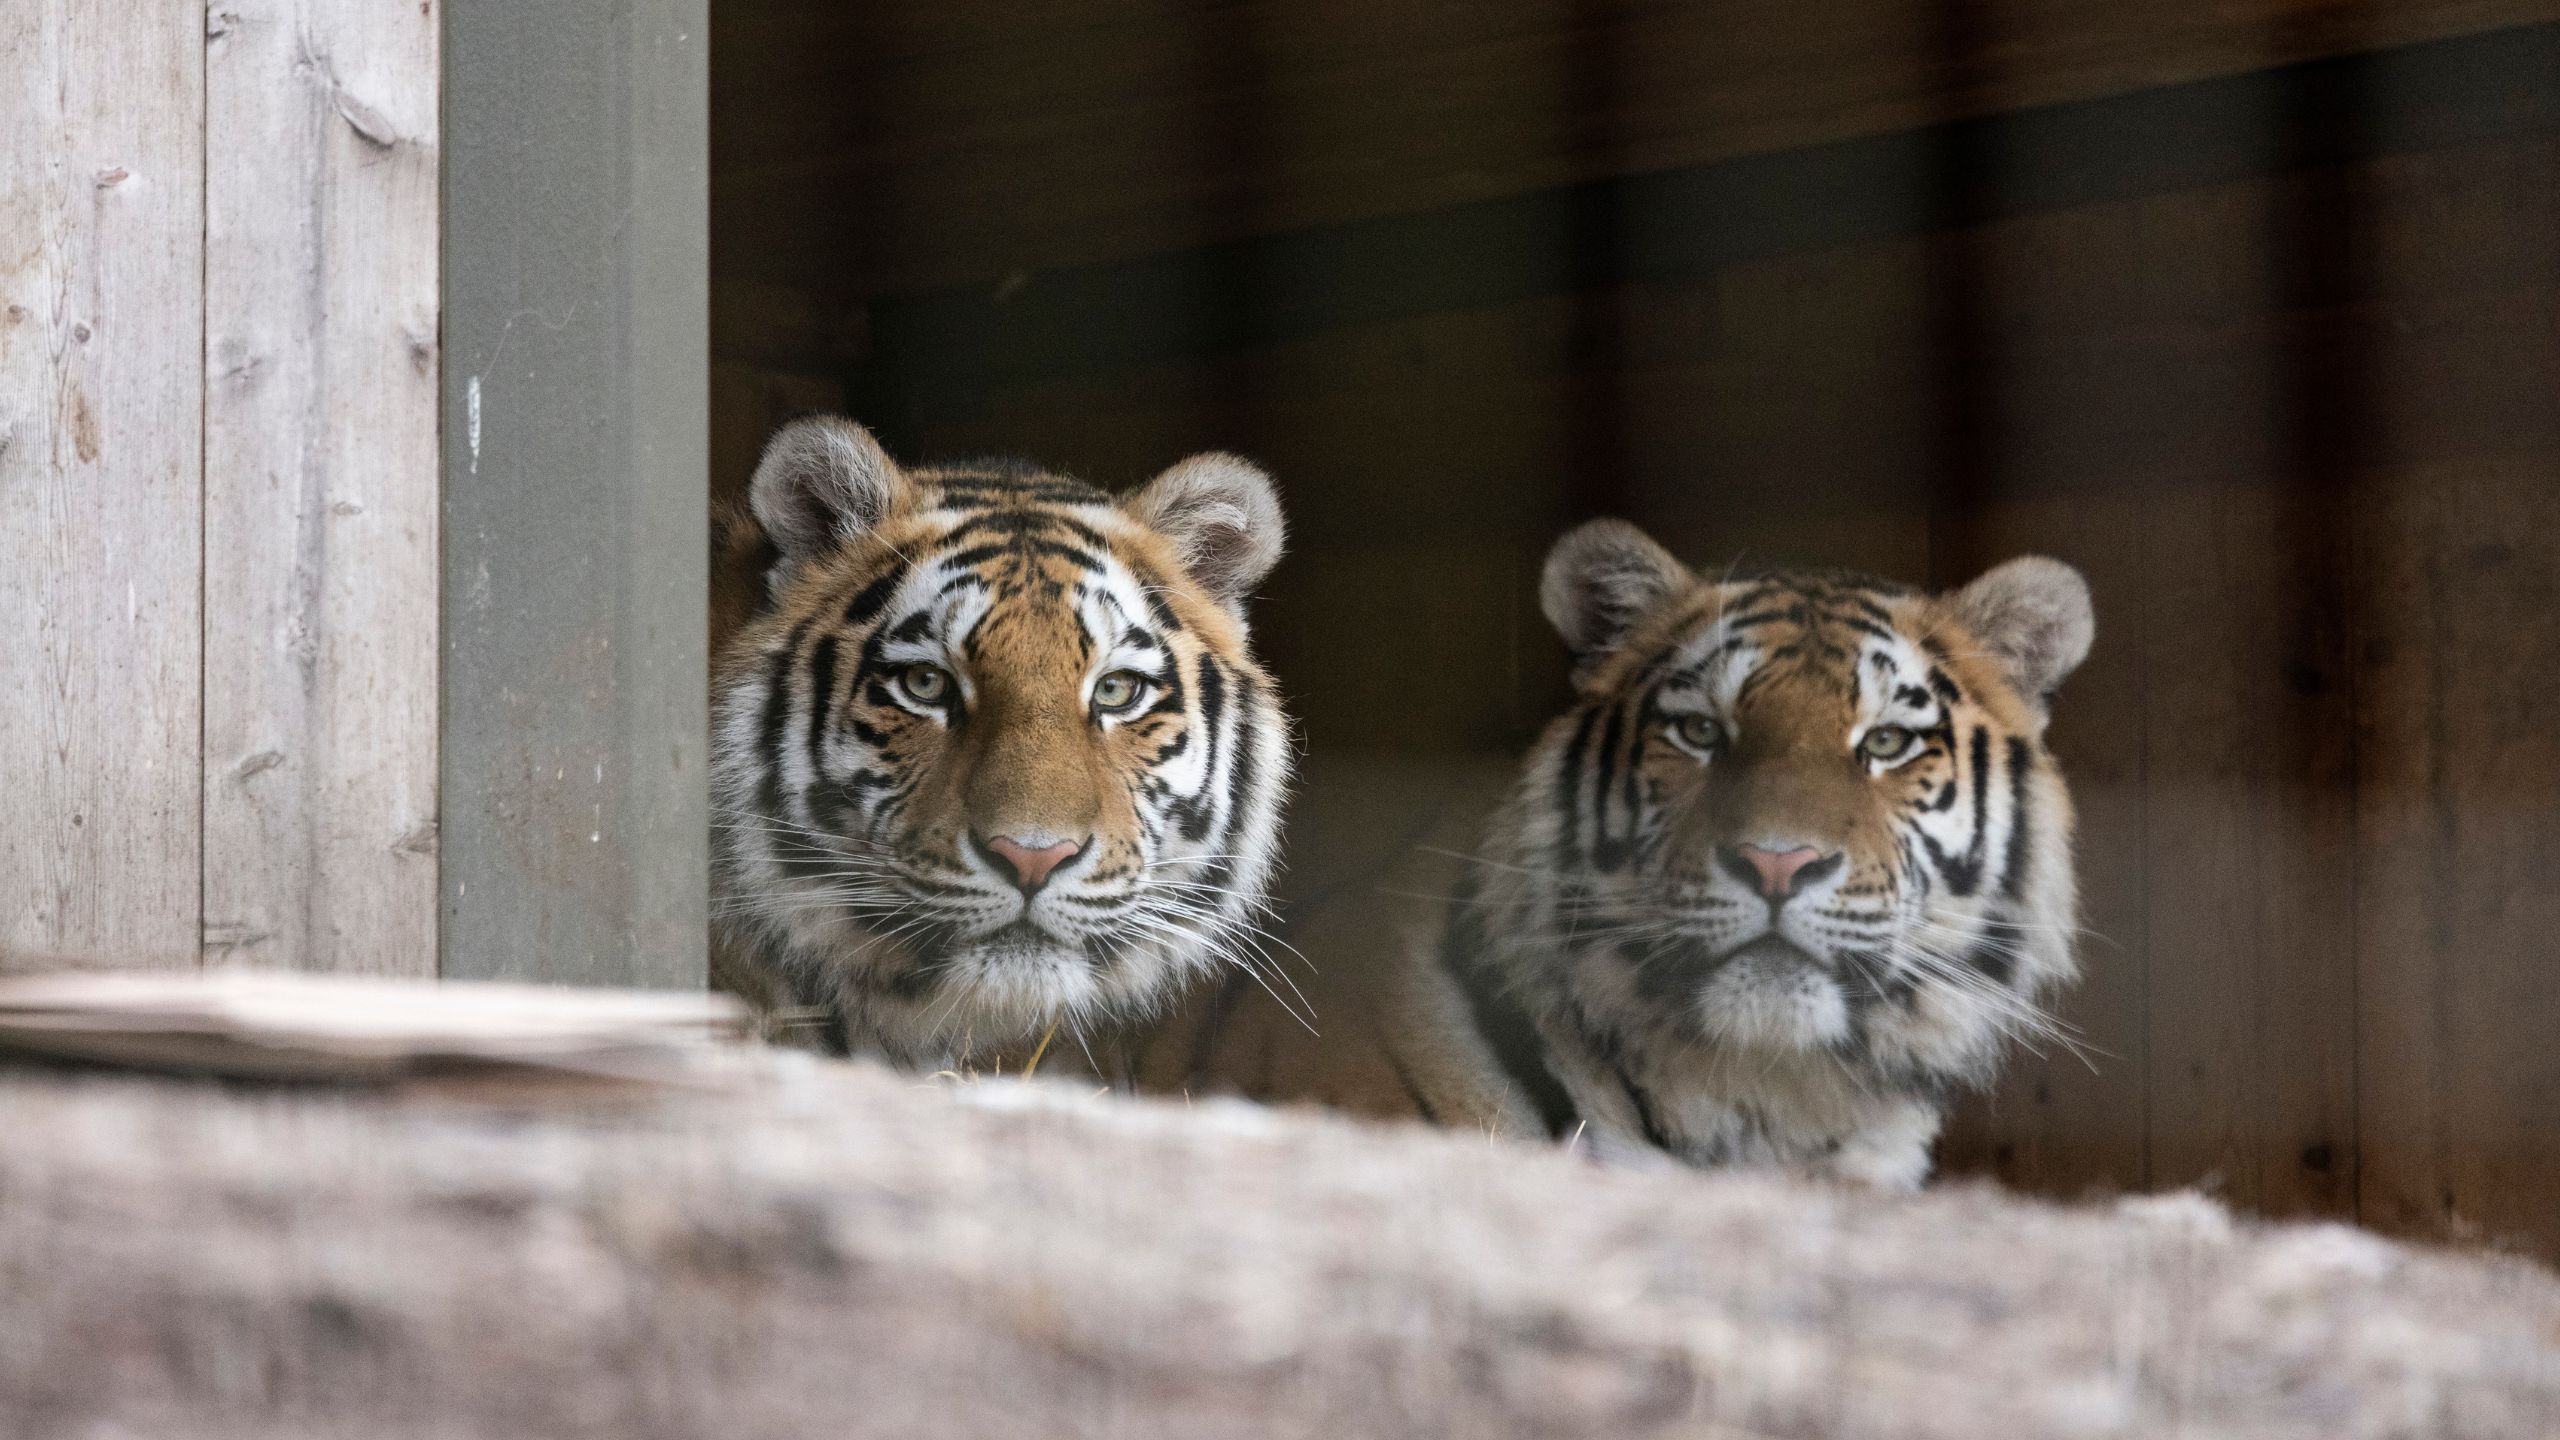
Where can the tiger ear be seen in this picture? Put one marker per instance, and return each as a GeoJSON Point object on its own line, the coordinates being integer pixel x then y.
{"type": "Point", "coordinates": [2033, 615]}
{"type": "Point", "coordinates": [1222, 518]}
{"type": "Point", "coordinates": [823, 481]}
{"type": "Point", "coordinates": [1601, 579]}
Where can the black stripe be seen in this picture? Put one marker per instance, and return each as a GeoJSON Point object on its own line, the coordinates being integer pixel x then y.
{"type": "Point", "coordinates": [1604, 781]}
{"type": "Point", "coordinates": [1191, 812]}
{"type": "Point", "coordinates": [979, 555]}
{"type": "Point", "coordinates": [1505, 1028]}
{"type": "Point", "coordinates": [1007, 523]}
{"type": "Point", "coordinates": [1795, 613]}
{"type": "Point", "coordinates": [774, 723]}
{"type": "Point", "coordinates": [1964, 873]}
{"type": "Point", "coordinates": [1413, 1092]}
{"type": "Point", "coordinates": [1152, 586]}
{"type": "Point", "coordinates": [1241, 771]}
{"type": "Point", "coordinates": [1569, 779]}
{"type": "Point", "coordinates": [1645, 1116]}
{"type": "Point", "coordinates": [1640, 736]}
{"type": "Point", "coordinates": [2013, 874]}
{"type": "Point", "coordinates": [1871, 609]}
{"type": "Point", "coordinates": [1081, 530]}
{"type": "Point", "coordinates": [964, 492]}
{"type": "Point", "coordinates": [822, 694]}
{"type": "Point", "coordinates": [1015, 523]}
{"type": "Point", "coordinates": [863, 606]}
{"type": "Point", "coordinates": [1752, 682]}
{"type": "Point", "coordinates": [1027, 531]}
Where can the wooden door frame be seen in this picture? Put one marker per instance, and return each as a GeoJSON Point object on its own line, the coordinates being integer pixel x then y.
{"type": "Point", "coordinates": [574, 403]}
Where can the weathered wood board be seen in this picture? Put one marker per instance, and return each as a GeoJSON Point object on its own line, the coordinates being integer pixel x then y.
{"type": "Point", "coordinates": [321, 338]}
{"type": "Point", "coordinates": [101, 519]}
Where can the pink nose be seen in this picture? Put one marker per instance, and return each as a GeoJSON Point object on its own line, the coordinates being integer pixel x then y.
{"type": "Point", "coordinates": [1032, 866]}
{"type": "Point", "coordinates": [1778, 870]}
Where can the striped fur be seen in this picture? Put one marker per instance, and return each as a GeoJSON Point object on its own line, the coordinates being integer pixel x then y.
{"type": "Point", "coordinates": [861, 802]}
{"type": "Point", "coordinates": [1616, 968]}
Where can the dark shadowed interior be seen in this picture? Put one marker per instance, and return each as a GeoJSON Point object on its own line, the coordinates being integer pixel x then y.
{"type": "Point", "coordinates": [2249, 311]}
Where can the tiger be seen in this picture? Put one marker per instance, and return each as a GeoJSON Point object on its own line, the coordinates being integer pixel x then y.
{"type": "Point", "coordinates": [1789, 874]}
{"type": "Point", "coordinates": [991, 755]}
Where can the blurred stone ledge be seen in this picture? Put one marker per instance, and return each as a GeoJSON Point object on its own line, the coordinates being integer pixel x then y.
{"type": "Point", "coordinates": [787, 1247]}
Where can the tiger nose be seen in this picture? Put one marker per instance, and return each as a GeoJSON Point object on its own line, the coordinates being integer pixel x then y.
{"type": "Point", "coordinates": [1031, 864]}
{"type": "Point", "coordinates": [1779, 872]}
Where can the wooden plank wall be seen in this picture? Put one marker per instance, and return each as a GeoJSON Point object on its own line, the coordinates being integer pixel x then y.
{"type": "Point", "coordinates": [320, 533]}
{"type": "Point", "coordinates": [101, 403]}
{"type": "Point", "coordinates": [218, 485]}
{"type": "Point", "coordinates": [2295, 418]}
{"type": "Point", "coordinates": [906, 144]}
{"type": "Point", "coordinates": [777, 353]}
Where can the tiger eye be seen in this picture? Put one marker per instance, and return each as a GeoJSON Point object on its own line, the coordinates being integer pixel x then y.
{"type": "Point", "coordinates": [1701, 731]}
{"type": "Point", "coordinates": [925, 684]}
{"type": "Point", "coordinates": [1118, 691]}
{"type": "Point", "coordinates": [1886, 743]}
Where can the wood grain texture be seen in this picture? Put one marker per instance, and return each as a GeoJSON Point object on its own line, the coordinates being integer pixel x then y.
{"type": "Point", "coordinates": [1037, 136]}
{"type": "Point", "coordinates": [321, 500]}
{"type": "Point", "coordinates": [834, 1250]}
{"type": "Point", "coordinates": [101, 231]}
{"type": "Point", "coordinates": [2250, 898]}
{"type": "Point", "coordinates": [2457, 545]}
{"type": "Point", "coordinates": [2458, 847]}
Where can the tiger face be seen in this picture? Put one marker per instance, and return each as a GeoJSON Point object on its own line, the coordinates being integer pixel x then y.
{"type": "Point", "coordinates": [997, 758]}
{"type": "Point", "coordinates": [1797, 862]}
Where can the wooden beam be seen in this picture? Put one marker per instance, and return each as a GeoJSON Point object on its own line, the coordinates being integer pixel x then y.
{"type": "Point", "coordinates": [575, 558]}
